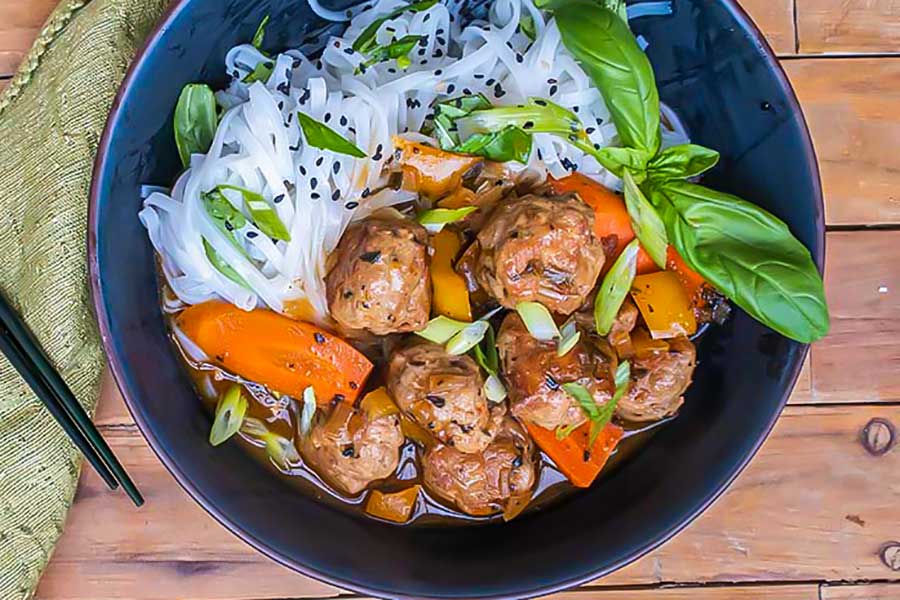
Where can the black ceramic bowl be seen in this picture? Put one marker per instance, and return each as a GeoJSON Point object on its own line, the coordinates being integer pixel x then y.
{"type": "Point", "coordinates": [715, 69]}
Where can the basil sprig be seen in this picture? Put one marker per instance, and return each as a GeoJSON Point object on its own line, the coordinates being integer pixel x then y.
{"type": "Point", "coordinates": [320, 135]}
{"type": "Point", "coordinates": [195, 121]}
{"type": "Point", "coordinates": [366, 39]}
{"type": "Point", "coordinates": [606, 49]}
{"type": "Point", "coordinates": [748, 254]}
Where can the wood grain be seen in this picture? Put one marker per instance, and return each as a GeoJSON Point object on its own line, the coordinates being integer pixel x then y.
{"type": "Point", "coordinates": [20, 23]}
{"type": "Point", "coordinates": [763, 529]}
{"type": "Point", "coordinates": [848, 25]}
{"type": "Point", "coordinates": [851, 107]}
{"type": "Point", "coordinates": [755, 592]}
{"type": "Point", "coordinates": [872, 591]}
{"type": "Point", "coordinates": [775, 18]}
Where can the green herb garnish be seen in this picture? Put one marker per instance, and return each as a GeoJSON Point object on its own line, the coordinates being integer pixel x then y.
{"type": "Point", "coordinates": [320, 135]}
{"type": "Point", "coordinates": [230, 413]}
{"type": "Point", "coordinates": [397, 49]}
{"type": "Point", "coordinates": [260, 34]}
{"type": "Point", "coordinates": [647, 225]}
{"type": "Point", "coordinates": [616, 285]}
{"type": "Point", "coordinates": [195, 121]}
{"type": "Point", "coordinates": [261, 212]}
{"type": "Point", "coordinates": [485, 353]}
{"type": "Point", "coordinates": [366, 40]}
{"type": "Point", "coordinates": [261, 72]}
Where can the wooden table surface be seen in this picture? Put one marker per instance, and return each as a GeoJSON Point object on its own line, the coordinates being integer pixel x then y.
{"type": "Point", "coordinates": [816, 516]}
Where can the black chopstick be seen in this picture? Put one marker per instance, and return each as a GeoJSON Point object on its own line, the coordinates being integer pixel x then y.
{"type": "Point", "coordinates": [26, 356]}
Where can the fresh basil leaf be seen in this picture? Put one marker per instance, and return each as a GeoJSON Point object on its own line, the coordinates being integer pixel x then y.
{"type": "Point", "coordinates": [510, 143]}
{"type": "Point", "coordinates": [223, 267]}
{"type": "Point", "coordinates": [195, 121]}
{"type": "Point", "coordinates": [647, 225]}
{"type": "Point", "coordinates": [748, 254]}
{"type": "Point", "coordinates": [607, 50]}
{"type": "Point", "coordinates": [320, 135]}
{"type": "Point", "coordinates": [260, 34]}
{"type": "Point", "coordinates": [681, 162]}
{"type": "Point", "coordinates": [617, 160]}
{"type": "Point", "coordinates": [485, 353]}
{"type": "Point", "coordinates": [526, 25]}
{"type": "Point", "coordinates": [261, 212]}
{"type": "Point", "coordinates": [261, 72]}
{"type": "Point", "coordinates": [616, 285]}
{"type": "Point", "coordinates": [398, 49]}
{"type": "Point", "coordinates": [366, 39]}
{"type": "Point", "coordinates": [618, 7]}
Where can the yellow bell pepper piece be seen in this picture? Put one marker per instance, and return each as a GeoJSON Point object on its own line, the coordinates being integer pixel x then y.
{"type": "Point", "coordinates": [396, 506]}
{"type": "Point", "coordinates": [378, 403]}
{"type": "Point", "coordinates": [664, 304]}
{"type": "Point", "coordinates": [450, 294]}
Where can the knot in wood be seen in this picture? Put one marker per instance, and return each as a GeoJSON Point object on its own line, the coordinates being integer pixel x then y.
{"type": "Point", "coordinates": [890, 555]}
{"type": "Point", "coordinates": [878, 436]}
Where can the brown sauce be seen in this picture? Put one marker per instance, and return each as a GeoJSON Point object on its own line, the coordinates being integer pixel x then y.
{"type": "Point", "coordinates": [551, 487]}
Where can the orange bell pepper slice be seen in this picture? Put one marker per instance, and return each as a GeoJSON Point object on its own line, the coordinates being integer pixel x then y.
{"type": "Point", "coordinates": [579, 463]}
{"type": "Point", "coordinates": [664, 304]}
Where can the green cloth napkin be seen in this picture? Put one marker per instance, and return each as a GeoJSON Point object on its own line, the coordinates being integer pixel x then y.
{"type": "Point", "coordinates": [51, 119]}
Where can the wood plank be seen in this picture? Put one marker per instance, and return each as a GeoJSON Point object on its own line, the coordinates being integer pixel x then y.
{"type": "Point", "coordinates": [850, 105]}
{"type": "Point", "coordinates": [848, 25]}
{"type": "Point", "coordinates": [20, 23]}
{"type": "Point", "coordinates": [870, 591]}
{"type": "Point", "coordinates": [761, 530]}
{"type": "Point", "coordinates": [775, 18]}
{"type": "Point", "coordinates": [859, 361]}
{"type": "Point", "coordinates": [730, 592]}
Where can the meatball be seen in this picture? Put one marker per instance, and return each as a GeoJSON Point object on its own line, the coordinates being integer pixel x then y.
{"type": "Point", "coordinates": [540, 249]}
{"type": "Point", "coordinates": [535, 374]}
{"type": "Point", "coordinates": [658, 381]}
{"type": "Point", "coordinates": [442, 393]}
{"type": "Point", "coordinates": [380, 280]}
{"type": "Point", "coordinates": [483, 483]}
{"type": "Point", "coordinates": [349, 451]}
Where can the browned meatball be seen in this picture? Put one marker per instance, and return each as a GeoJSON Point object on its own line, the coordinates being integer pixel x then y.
{"type": "Point", "coordinates": [536, 374]}
{"type": "Point", "coordinates": [442, 393]}
{"type": "Point", "coordinates": [658, 381]}
{"type": "Point", "coordinates": [380, 280]}
{"type": "Point", "coordinates": [540, 249]}
{"type": "Point", "coordinates": [483, 483]}
{"type": "Point", "coordinates": [349, 451]}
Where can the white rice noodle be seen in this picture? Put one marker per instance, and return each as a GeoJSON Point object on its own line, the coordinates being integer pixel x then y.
{"type": "Point", "coordinates": [318, 193]}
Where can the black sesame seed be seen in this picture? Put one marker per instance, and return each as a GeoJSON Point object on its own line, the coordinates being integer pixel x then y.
{"type": "Point", "coordinates": [370, 257]}
{"type": "Point", "coordinates": [390, 29]}
{"type": "Point", "coordinates": [336, 167]}
{"type": "Point", "coordinates": [421, 51]}
{"type": "Point", "coordinates": [327, 117]}
{"type": "Point", "coordinates": [295, 64]}
{"type": "Point", "coordinates": [551, 81]}
{"type": "Point", "coordinates": [478, 75]}
{"type": "Point", "coordinates": [290, 117]}
{"type": "Point", "coordinates": [351, 205]}
{"type": "Point", "coordinates": [343, 121]}
{"type": "Point", "coordinates": [467, 91]}
{"type": "Point", "coordinates": [519, 58]}
{"type": "Point", "coordinates": [303, 170]}
{"type": "Point", "coordinates": [551, 382]}
{"type": "Point", "coordinates": [575, 109]}
{"type": "Point", "coordinates": [553, 89]}
{"type": "Point", "coordinates": [423, 42]}
{"type": "Point", "coordinates": [423, 62]}
{"type": "Point", "coordinates": [490, 82]}
{"type": "Point", "coordinates": [252, 234]}
{"type": "Point", "coordinates": [277, 199]}
{"type": "Point", "coordinates": [335, 195]}
{"type": "Point", "coordinates": [517, 462]}
{"type": "Point", "coordinates": [540, 102]}
{"type": "Point", "coordinates": [366, 192]}
{"type": "Point", "coordinates": [441, 41]}
{"type": "Point", "coordinates": [313, 183]}
{"type": "Point", "coordinates": [426, 18]}
{"type": "Point", "coordinates": [451, 88]}
{"type": "Point", "coordinates": [348, 451]}
{"type": "Point", "coordinates": [294, 148]}
{"type": "Point", "coordinates": [437, 53]}
{"type": "Point", "coordinates": [589, 130]}
{"type": "Point", "coordinates": [319, 161]}
{"type": "Point", "coordinates": [281, 105]}
{"type": "Point", "coordinates": [337, 43]}
{"type": "Point", "coordinates": [596, 146]}
{"type": "Point", "coordinates": [315, 195]}
{"type": "Point", "coordinates": [320, 339]}
{"type": "Point", "coordinates": [392, 70]}
{"type": "Point", "coordinates": [348, 50]}
{"type": "Point", "coordinates": [436, 400]}
{"type": "Point", "coordinates": [319, 65]}
{"type": "Point", "coordinates": [229, 226]}
{"type": "Point", "coordinates": [438, 73]}
{"type": "Point", "coordinates": [528, 125]}
{"type": "Point", "coordinates": [440, 31]}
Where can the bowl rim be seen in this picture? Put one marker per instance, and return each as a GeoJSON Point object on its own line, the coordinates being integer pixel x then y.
{"type": "Point", "coordinates": [742, 19]}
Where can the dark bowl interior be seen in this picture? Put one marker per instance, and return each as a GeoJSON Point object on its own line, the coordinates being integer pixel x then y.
{"type": "Point", "coordinates": [714, 68]}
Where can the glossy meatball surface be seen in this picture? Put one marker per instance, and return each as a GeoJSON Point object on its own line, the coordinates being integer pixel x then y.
{"type": "Point", "coordinates": [442, 393]}
{"type": "Point", "coordinates": [483, 483]}
{"type": "Point", "coordinates": [380, 279]}
{"type": "Point", "coordinates": [540, 249]}
{"type": "Point", "coordinates": [350, 451]}
{"type": "Point", "coordinates": [536, 374]}
{"type": "Point", "coordinates": [658, 380]}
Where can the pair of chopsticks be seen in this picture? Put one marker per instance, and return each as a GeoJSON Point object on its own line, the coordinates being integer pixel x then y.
{"type": "Point", "coordinates": [24, 353]}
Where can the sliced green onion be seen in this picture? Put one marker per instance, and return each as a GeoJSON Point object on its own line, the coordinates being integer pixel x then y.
{"type": "Point", "coordinates": [262, 213]}
{"type": "Point", "coordinates": [466, 339]}
{"type": "Point", "coordinates": [281, 450]}
{"type": "Point", "coordinates": [615, 287]}
{"type": "Point", "coordinates": [222, 266]}
{"type": "Point", "coordinates": [320, 135]}
{"type": "Point", "coordinates": [260, 34]}
{"type": "Point", "coordinates": [366, 39]}
{"type": "Point", "coordinates": [494, 390]}
{"type": "Point", "coordinates": [538, 320]}
{"type": "Point", "coordinates": [308, 412]}
{"type": "Point", "coordinates": [584, 399]}
{"type": "Point", "coordinates": [397, 49]}
{"type": "Point", "coordinates": [526, 24]}
{"type": "Point", "coordinates": [230, 413]}
{"type": "Point", "coordinates": [622, 379]}
{"type": "Point", "coordinates": [485, 353]}
{"type": "Point", "coordinates": [648, 226]}
{"type": "Point", "coordinates": [537, 115]}
{"type": "Point", "coordinates": [261, 72]}
{"type": "Point", "coordinates": [434, 220]}
{"type": "Point", "coordinates": [569, 336]}
{"type": "Point", "coordinates": [440, 329]}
